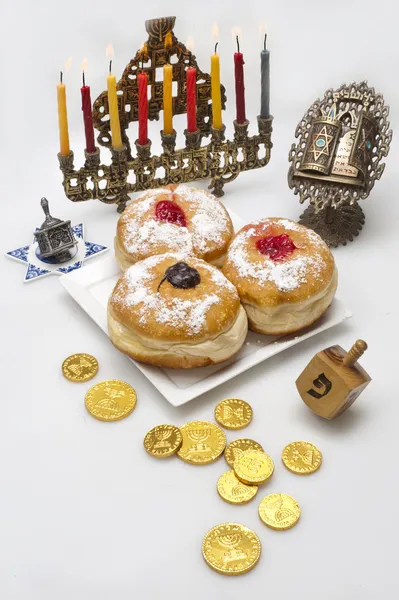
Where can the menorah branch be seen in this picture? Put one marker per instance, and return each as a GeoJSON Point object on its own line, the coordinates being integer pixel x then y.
{"type": "Point", "coordinates": [221, 160]}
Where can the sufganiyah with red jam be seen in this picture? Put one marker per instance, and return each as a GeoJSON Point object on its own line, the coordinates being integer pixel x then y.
{"type": "Point", "coordinates": [176, 218]}
{"type": "Point", "coordinates": [284, 273]}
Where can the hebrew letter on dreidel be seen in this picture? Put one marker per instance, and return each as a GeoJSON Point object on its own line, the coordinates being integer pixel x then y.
{"type": "Point", "coordinates": [339, 380]}
{"type": "Point", "coordinates": [319, 383]}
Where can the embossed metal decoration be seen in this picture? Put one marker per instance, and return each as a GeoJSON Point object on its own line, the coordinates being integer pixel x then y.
{"type": "Point", "coordinates": [220, 159]}
{"type": "Point", "coordinates": [342, 140]}
{"type": "Point", "coordinates": [152, 56]}
{"type": "Point", "coordinates": [55, 237]}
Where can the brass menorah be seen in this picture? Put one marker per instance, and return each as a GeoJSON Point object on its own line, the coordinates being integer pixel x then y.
{"type": "Point", "coordinates": [220, 160]}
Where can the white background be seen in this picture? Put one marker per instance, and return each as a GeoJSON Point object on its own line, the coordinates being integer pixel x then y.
{"type": "Point", "coordinates": [85, 513]}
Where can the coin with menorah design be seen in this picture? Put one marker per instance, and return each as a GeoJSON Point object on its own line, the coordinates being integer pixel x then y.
{"type": "Point", "coordinates": [301, 458]}
{"type": "Point", "coordinates": [233, 413]}
{"type": "Point", "coordinates": [233, 490]}
{"type": "Point", "coordinates": [163, 441]}
{"type": "Point", "coordinates": [80, 367]}
{"type": "Point", "coordinates": [231, 549]}
{"type": "Point", "coordinates": [234, 449]}
{"type": "Point", "coordinates": [253, 467]}
{"type": "Point", "coordinates": [111, 400]}
{"type": "Point", "coordinates": [279, 511]}
{"type": "Point", "coordinates": [203, 442]}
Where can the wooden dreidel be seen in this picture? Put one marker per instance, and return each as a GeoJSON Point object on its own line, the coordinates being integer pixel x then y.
{"type": "Point", "coordinates": [333, 380]}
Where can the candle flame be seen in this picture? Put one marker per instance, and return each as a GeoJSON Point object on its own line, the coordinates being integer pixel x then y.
{"type": "Point", "coordinates": [144, 52]}
{"type": "Point", "coordinates": [68, 64]}
{"type": "Point", "coordinates": [84, 64]}
{"type": "Point", "coordinates": [190, 44]}
{"type": "Point", "coordinates": [215, 31]}
{"type": "Point", "coordinates": [110, 50]}
{"type": "Point", "coordinates": [262, 30]}
{"type": "Point", "coordinates": [236, 31]}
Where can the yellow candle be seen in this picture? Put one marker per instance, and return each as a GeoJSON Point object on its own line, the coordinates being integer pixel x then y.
{"type": "Point", "coordinates": [167, 100]}
{"type": "Point", "coordinates": [215, 92]}
{"type": "Point", "coordinates": [113, 111]}
{"type": "Point", "coordinates": [63, 119]}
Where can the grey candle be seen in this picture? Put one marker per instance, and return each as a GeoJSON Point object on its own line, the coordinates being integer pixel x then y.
{"type": "Point", "coordinates": [265, 82]}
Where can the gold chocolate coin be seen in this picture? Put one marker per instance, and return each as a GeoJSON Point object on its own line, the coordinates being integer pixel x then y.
{"type": "Point", "coordinates": [231, 549]}
{"type": "Point", "coordinates": [203, 442]}
{"type": "Point", "coordinates": [301, 458]}
{"type": "Point", "coordinates": [80, 367]}
{"type": "Point", "coordinates": [253, 467]}
{"type": "Point", "coordinates": [233, 413]}
{"type": "Point", "coordinates": [163, 441]}
{"type": "Point", "coordinates": [236, 447]}
{"type": "Point", "coordinates": [111, 400]}
{"type": "Point", "coordinates": [279, 511]}
{"type": "Point", "coordinates": [233, 490]}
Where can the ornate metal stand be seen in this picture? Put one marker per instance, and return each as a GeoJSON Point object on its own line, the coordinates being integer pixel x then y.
{"type": "Point", "coordinates": [221, 160]}
{"type": "Point", "coordinates": [335, 225]}
{"type": "Point", "coordinates": [337, 159]}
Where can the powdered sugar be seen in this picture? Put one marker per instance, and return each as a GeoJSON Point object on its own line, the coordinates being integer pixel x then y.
{"type": "Point", "coordinates": [153, 235]}
{"type": "Point", "coordinates": [287, 275]}
{"type": "Point", "coordinates": [206, 229]}
{"type": "Point", "coordinates": [191, 312]}
{"type": "Point", "coordinates": [221, 281]}
{"type": "Point", "coordinates": [140, 297]}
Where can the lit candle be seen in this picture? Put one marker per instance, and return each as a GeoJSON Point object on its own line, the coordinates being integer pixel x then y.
{"type": "Point", "coordinates": [167, 99]}
{"type": "Point", "coordinates": [191, 80]}
{"type": "Point", "coordinates": [113, 108]}
{"type": "Point", "coordinates": [142, 82]}
{"type": "Point", "coordinates": [239, 80]}
{"type": "Point", "coordinates": [215, 91]}
{"type": "Point", "coordinates": [265, 81]}
{"type": "Point", "coordinates": [87, 113]}
{"type": "Point", "coordinates": [63, 118]}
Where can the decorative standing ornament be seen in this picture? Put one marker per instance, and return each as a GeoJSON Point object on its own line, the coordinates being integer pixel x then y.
{"type": "Point", "coordinates": [333, 380]}
{"type": "Point", "coordinates": [55, 237]}
{"type": "Point", "coordinates": [342, 140]}
{"type": "Point", "coordinates": [57, 248]}
{"type": "Point", "coordinates": [221, 160]}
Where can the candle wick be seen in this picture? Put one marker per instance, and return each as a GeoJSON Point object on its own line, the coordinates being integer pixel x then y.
{"type": "Point", "coordinates": [264, 42]}
{"type": "Point", "coordinates": [60, 76]}
{"type": "Point", "coordinates": [110, 66]}
{"type": "Point", "coordinates": [216, 47]}
{"type": "Point", "coordinates": [84, 82]}
{"type": "Point", "coordinates": [238, 43]}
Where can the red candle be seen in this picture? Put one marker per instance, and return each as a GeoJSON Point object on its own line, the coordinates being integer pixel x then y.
{"type": "Point", "coordinates": [142, 82]}
{"type": "Point", "coordinates": [87, 116]}
{"type": "Point", "coordinates": [239, 79]}
{"type": "Point", "coordinates": [191, 80]}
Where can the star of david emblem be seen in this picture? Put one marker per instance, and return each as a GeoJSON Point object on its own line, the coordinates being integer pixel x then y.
{"type": "Point", "coordinates": [321, 143]}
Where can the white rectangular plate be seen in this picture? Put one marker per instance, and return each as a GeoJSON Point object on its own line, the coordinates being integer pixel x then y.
{"type": "Point", "coordinates": [91, 288]}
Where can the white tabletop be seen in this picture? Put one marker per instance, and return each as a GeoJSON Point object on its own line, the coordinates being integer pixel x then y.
{"type": "Point", "coordinates": [85, 512]}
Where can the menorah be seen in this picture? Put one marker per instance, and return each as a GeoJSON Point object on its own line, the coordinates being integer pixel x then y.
{"type": "Point", "coordinates": [198, 435]}
{"type": "Point", "coordinates": [229, 540]}
{"type": "Point", "coordinates": [162, 436]}
{"type": "Point", "coordinates": [220, 159]}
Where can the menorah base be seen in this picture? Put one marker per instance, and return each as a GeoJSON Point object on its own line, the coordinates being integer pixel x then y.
{"type": "Point", "coordinates": [335, 225]}
{"type": "Point", "coordinates": [221, 160]}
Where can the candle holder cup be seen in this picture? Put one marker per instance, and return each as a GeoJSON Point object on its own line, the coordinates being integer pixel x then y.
{"type": "Point", "coordinates": [219, 159]}
{"type": "Point", "coordinates": [168, 142]}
